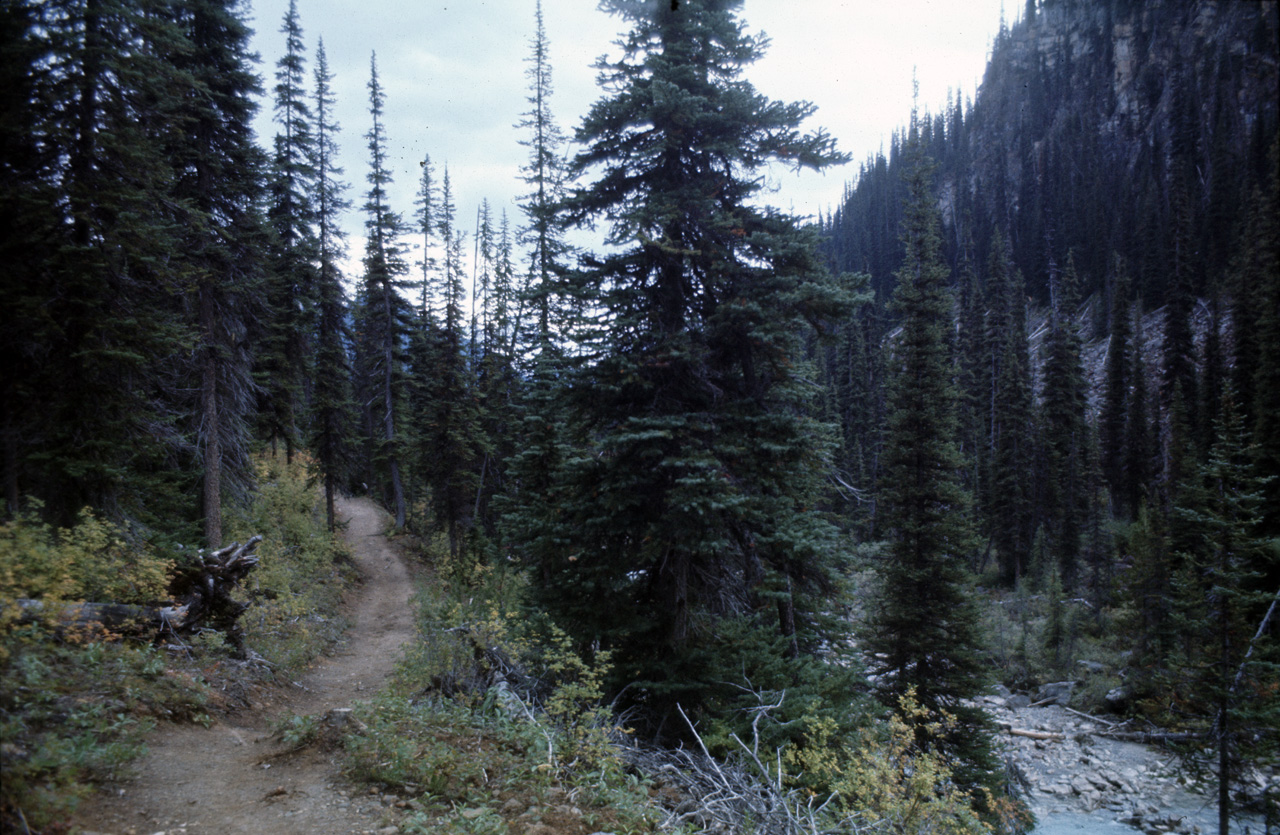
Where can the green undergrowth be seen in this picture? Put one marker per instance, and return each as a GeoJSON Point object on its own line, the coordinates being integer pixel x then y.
{"type": "Point", "coordinates": [474, 757]}
{"type": "Point", "coordinates": [76, 703]}
{"type": "Point", "coordinates": [296, 589]}
{"type": "Point", "coordinates": [1038, 634]}
{"type": "Point", "coordinates": [461, 745]}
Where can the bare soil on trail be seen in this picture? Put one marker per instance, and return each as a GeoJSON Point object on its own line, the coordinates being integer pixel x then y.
{"type": "Point", "coordinates": [234, 777]}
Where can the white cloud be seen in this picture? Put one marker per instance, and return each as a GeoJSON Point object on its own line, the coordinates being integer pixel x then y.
{"type": "Point", "coordinates": [453, 72]}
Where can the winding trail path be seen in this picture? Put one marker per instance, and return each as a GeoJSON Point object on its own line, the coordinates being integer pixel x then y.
{"type": "Point", "coordinates": [230, 778]}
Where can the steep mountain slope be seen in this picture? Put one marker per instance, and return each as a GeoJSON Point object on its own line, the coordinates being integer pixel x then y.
{"type": "Point", "coordinates": [1100, 126]}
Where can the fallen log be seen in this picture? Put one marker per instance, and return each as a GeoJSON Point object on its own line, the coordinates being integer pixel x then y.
{"type": "Point", "coordinates": [1151, 738]}
{"type": "Point", "coordinates": [123, 618]}
{"type": "Point", "coordinates": [1037, 734]}
{"type": "Point", "coordinates": [204, 599]}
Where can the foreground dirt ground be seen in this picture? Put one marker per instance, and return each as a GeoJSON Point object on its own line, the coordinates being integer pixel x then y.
{"type": "Point", "coordinates": [232, 777]}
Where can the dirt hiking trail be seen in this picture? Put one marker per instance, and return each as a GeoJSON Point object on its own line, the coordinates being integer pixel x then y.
{"type": "Point", "coordinates": [233, 777]}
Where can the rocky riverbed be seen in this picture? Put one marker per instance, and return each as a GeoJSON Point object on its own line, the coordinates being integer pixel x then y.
{"type": "Point", "coordinates": [1072, 774]}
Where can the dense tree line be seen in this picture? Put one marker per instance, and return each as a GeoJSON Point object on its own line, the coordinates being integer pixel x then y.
{"type": "Point", "coordinates": [1109, 234]}
{"type": "Point", "coordinates": [684, 438]}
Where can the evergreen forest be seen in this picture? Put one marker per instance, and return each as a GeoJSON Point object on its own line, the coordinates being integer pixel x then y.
{"type": "Point", "coordinates": [794, 492]}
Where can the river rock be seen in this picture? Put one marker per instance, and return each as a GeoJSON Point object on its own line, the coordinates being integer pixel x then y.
{"type": "Point", "coordinates": [1055, 693]}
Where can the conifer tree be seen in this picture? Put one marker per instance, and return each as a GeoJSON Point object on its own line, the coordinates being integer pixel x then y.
{"type": "Point", "coordinates": [1261, 263]}
{"type": "Point", "coordinates": [1065, 436]}
{"type": "Point", "coordinates": [1139, 452]}
{"type": "Point", "coordinates": [1117, 377]}
{"type": "Point", "coordinates": [331, 421]}
{"type": "Point", "coordinates": [1010, 512]}
{"type": "Point", "coordinates": [924, 629]}
{"type": "Point", "coordinates": [686, 507]}
{"type": "Point", "coordinates": [1230, 674]}
{"type": "Point", "coordinates": [423, 346]}
{"type": "Point", "coordinates": [538, 424]}
{"type": "Point", "coordinates": [483, 337]}
{"type": "Point", "coordinates": [89, 112]}
{"type": "Point", "coordinates": [284, 358]}
{"type": "Point", "coordinates": [384, 317]}
{"type": "Point", "coordinates": [508, 308]}
{"type": "Point", "coordinates": [219, 182]}
{"type": "Point", "coordinates": [544, 174]}
{"type": "Point", "coordinates": [1148, 586]}
{"type": "Point", "coordinates": [849, 370]}
{"type": "Point", "coordinates": [971, 370]}
{"type": "Point", "coordinates": [452, 442]}
{"type": "Point", "coordinates": [496, 377]}
{"type": "Point", "coordinates": [28, 218]}
{"type": "Point", "coordinates": [1178, 398]}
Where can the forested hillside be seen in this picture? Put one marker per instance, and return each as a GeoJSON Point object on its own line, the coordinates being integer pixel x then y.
{"type": "Point", "coordinates": [762, 476]}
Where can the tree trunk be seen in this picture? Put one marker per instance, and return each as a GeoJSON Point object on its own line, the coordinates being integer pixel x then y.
{"type": "Point", "coordinates": [10, 434]}
{"type": "Point", "coordinates": [212, 432]}
{"type": "Point", "coordinates": [330, 518]}
{"type": "Point", "coordinates": [787, 622]}
{"type": "Point", "coordinates": [388, 415]}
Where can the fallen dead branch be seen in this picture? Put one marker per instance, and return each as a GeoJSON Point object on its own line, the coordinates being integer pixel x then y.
{"type": "Point", "coordinates": [1093, 718]}
{"type": "Point", "coordinates": [736, 795]}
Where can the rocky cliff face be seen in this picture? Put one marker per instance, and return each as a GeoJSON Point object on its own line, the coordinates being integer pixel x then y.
{"type": "Point", "coordinates": [1102, 125]}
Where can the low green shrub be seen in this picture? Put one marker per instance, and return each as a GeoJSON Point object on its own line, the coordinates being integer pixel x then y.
{"type": "Point", "coordinates": [75, 714]}
{"type": "Point", "coordinates": [93, 560]}
{"type": "Point", "coordinates": [296, 588]}
{"type": "Point", "coordinates": [442, 735]}
{"type": "Point", "coordinates": [75, 706]}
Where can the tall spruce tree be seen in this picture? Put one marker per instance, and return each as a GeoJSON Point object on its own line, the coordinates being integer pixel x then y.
{"type": "Point", "coordinates": [422, 345]}
{"type": "Point", "coordinates": [1229, 672]}
{"type": "Point", "coordinates": [1009, 509]}
{"type": "Point", "coordinates": [90, 103]}
{"type": "Point", "coordinates": [1117, 378]}
{"type": "Point", "coordinates": [285, 354]}
{"type": "Point", "coordinates": [1065, 437]}
{"type": "Point", "coordinates": [971, 370]}
{"type": "Point", "coordinates": [1139, 451]}
{"type": "Point", "coordinates": [331, 418]}
{"type": "Point", "coordinates": [451, 439]}
{"type": "Point", "coordinates": [219, 183]}
{"type": "Point", "coordinates": [924, 629]}
{"type": "Point", "coordinates": [28, 218]}
{"type": "Point", "coordinates": [544, 175]}
{"type": "Point", "coordinates": [686, 507]}
{"type": "Point", "coordinates": [1259, 270]}
{"type": "Point", "coordinates": [384, 318]}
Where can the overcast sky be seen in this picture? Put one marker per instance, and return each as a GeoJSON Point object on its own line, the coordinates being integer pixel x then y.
{"type": "Point", "coordinates": [453, 73]}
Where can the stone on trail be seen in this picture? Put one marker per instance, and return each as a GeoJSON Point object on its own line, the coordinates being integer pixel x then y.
{"type": "Point", "coordinates": [1055, 693]}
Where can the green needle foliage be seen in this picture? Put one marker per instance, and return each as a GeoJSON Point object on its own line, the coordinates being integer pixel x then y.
{"type": "Point", "coordinates": [1227, 677]}
{"type": "Point", "coordinates": [925, 625]}
{"type": "Point", "coordinates": [685, 498]}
